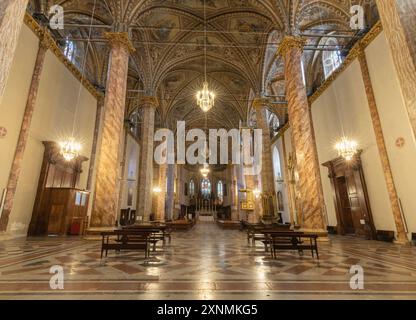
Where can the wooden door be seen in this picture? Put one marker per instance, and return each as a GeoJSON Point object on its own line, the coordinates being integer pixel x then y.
{"type": "Point", "coordinates": [357, 209]}
{"type": "Point", "coordinates": [351, 198]}
{"type": "Point", "coordinates": [345, 207]}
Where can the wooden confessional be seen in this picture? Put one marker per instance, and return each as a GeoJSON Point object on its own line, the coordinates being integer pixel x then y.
{"type": "Point", "coordinates": [351, 198]}
{"type": "Point", "coordinates": [60, 207]}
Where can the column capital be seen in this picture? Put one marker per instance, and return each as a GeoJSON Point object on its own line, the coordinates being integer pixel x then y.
{"type": "Point", "coordinates": [289, 43]}
{"type": "Point", "coordinates": [260, 103]}
{"type": "Point", "coordinates": [148, 101]}
{"type": "Point", "coordinates": [120, 38]}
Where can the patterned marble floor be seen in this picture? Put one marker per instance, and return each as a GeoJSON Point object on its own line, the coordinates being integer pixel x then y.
{"type": "Point", "coordinates": [205, 263]}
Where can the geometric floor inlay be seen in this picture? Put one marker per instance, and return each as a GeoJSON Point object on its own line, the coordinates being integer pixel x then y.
{"type": "Point", "coordinates": [205, 263]}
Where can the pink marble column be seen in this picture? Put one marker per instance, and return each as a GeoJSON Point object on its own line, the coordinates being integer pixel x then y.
{"type": "Point", "coordinates": [170, 192]}
{"type": "Point", "coordinates": [310, 188]}
{"type": "Point", "coordinates": [23, 136]}
{"type": "Point", "coordinates": [161, 197]}
{"type": "Point", "coordinates": [144, 205]}
{"type": "Point", "coordinates": [97, 129]}
{"type": "Point", "coordinates": [11, 20]}
{"type": "Point", "coordinates": [400, 36]}
{"type": "Point", "coordinates": [107, 184]}
{"type": "Point", "coordinates": [233, 193]}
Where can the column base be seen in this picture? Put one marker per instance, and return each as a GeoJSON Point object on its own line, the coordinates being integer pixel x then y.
{"type": "Point", "coordinates": [403, 242]}
{"type": "Point", "coordinates": [322, 234]}
{"type": "Point", "coordinates": [95, 231]}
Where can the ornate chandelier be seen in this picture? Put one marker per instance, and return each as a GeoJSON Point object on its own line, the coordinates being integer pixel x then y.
{"type": "Point", "coordinates": [205, 98]}
{"type": "Point", "coordinates": [70, 149]}
{"type": "Point", "coordinates": [205, 170]}
{"type": "Point", "coordinates": [346, 148]}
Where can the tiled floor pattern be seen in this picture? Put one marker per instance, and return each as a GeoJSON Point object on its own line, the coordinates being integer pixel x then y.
{"type": "Point", "coordinates": [205, 263]}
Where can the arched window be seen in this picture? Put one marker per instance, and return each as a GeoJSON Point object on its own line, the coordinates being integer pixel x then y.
{"type": "Point", "coordinates": [206, 188]}
{"type": "Point", "coordinates": [276, 164]}
{"type": "Point", "coordinates": [220, 191]}
{"type": "Point", "coordinates": [192, 188]}
{"type": "Point", "coordinates": [331, 58]}
{"type": "Point", "coordinates": [69, 50]}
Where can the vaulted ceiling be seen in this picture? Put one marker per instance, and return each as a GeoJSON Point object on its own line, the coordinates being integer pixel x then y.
{"type": "Point", "coordinates": [242, 39]}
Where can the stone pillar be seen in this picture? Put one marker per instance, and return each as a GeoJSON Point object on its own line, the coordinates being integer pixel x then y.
{"type": "Point", "coordinates": [97, 129]}
{"type": "Point", "coordinates": [267, 175]}
{"type": "Point", "coordinates": [234, 193]}
{"type": "Point", "coordinates": [161, 197]}
{"type": "Point", "coordinates": [23, 135]}
{"type": "Point", "coordinates": [381, 144]}
{"type": "Point", "coordinates": [310, 187]}
{"type": "Point", "coordinates": [240, 186]}
{"type": "Point", "coordinates": [288, 182]}
{"type": "Point", "coordinates": [11, 19]}
{"type": "Point", "coordinates": [107, 184]}
{"type": "Point", "coordinates": [145, 188]}
{"type": "Point", "coordinates": [170, 192]}
{"type": "Point", "coordinates": [401, 53]}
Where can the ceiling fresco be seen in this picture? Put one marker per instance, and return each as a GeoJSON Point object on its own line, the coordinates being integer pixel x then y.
{"type": "Point", "coordinates": [242, 40]}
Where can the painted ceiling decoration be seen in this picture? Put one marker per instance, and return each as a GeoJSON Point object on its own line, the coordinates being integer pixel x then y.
{"type": "Point", "coordinates": [242, 41]}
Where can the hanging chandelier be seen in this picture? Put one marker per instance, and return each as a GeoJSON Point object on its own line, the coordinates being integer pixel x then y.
{"type": "Point", "coordinates": [205, 98]}
{"type": "Point", "coordinates": [205, 170]}
{"type": "Point", "coordinates": [346, 148]}
{"type": "Point", "coordinates": [70, 149]}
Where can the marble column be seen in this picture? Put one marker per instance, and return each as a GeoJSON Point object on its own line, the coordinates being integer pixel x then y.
{"type": "Point", "coordinates": [234, 193]}
{"type": "Point", "coordinates": [107, 184]}
{"type": "Point", "coordinates": [161, 197]}
{"type": "Point", "coordinates": [97, 129]}
{"type": "Point", "coordinates": [267, 175]}
{"type": "Point", "coordinates": [170, 192]}
{"type": "Point", "coordinates": [267, 182]}
{"type": "Point", "coordinates": [241, 185]}
{"type": "Point", "coordinates": [310, 186]}
{"type": "Point", "coordinates": [401, 51]}
{"type": "Point", "coordinates": [23, 135]}
{"type": "Point", "coordinates": [288, 182]}
{"type": "Point", "coordinates": [381, 144]}
{"type": "Point", "coordinates": [11, 19]}
{"type": "Point", "coordinates": [144, 205]}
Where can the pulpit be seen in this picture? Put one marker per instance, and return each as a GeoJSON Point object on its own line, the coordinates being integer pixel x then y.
{"type": "Point", "coordinates": [60, 206]}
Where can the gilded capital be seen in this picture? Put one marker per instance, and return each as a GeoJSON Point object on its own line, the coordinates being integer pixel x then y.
{"type": "Point", "coordinates": [148, 101]}
{"type": "Point", "coordinates": [120, 38]}
{"type": "Point", "coordinates": [290, 43]}
{"type": "Point", "coordinates": [260, 103]}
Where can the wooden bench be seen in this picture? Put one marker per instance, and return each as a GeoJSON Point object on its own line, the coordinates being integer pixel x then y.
{"type": "Point", "coordinates": [126, 240]}
{"type": "Point", "coordinates": [158, 232]}
{"type": "Point", "coordinates": [257, 232]}
{"type": "Point", "coordinates": [292, 240]}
